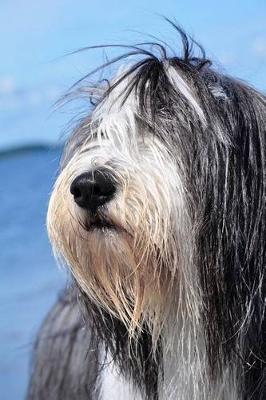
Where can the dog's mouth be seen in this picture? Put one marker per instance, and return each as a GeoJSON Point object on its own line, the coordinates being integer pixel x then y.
{"type": "Point", "coordinates": [102, 223]}
{"type": "Point", "coordinates": [98, 222]}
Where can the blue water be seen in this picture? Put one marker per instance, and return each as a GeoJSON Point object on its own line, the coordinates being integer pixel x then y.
{"type": "Point", "coordinates": [29, 278]}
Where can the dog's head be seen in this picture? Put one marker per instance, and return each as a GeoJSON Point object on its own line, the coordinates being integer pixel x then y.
{"type": "Point", "coordinates": [119, 209]}
{"type": "Point", "coordinates": [158, 185]}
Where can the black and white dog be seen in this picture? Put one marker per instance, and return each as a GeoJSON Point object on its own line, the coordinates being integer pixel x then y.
{"type": "Point", "coordinates": [159, 212]}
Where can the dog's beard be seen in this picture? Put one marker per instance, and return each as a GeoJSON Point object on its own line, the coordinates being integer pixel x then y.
{"type": "Point", "coordinates": [124, 265]}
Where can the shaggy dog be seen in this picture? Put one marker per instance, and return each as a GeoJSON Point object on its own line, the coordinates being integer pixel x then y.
{"type": "Point", "coordinates": [159, 212]}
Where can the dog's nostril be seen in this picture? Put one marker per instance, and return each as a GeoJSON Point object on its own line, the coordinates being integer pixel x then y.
{"type": "Point", "coordinates": [75, 191]}
{"type": "Point", "coordinates": [93, 189]}
{"type": "Point", "coordinates": [97, 191]}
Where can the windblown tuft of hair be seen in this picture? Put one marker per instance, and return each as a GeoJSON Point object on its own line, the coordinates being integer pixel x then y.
{"type": "Point", "coordinates": [213, 295]}
{"type": "Point", "coordinates": [144, 73]}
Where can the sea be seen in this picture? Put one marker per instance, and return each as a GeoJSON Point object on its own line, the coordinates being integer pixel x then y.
{"type": "Point", "coordinates": [30, 280]}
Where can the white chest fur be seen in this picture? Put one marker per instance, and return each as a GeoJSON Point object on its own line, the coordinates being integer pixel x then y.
{"type": "Point", "coordinates": [114, 386]}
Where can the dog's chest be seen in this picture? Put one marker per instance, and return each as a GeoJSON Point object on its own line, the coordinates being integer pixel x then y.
{"type": "Point", "coordinates": [115, 386]}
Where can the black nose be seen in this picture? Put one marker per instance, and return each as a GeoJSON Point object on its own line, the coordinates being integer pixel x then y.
{"type": "Point", "coordinates": [93, 189]}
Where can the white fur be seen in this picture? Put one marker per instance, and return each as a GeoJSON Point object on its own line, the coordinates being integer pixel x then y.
{"type": "Point", "coordinates": [182, 86]}
{"type": "Point", "coordinates": [114, 386]}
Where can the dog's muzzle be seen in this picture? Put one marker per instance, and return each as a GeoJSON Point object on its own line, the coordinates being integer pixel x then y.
{"type": "Point", "coordinates": [93, 189]}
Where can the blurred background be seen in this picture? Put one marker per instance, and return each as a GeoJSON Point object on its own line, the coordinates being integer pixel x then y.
{"type": "Point", "coordinates": [36, 36]}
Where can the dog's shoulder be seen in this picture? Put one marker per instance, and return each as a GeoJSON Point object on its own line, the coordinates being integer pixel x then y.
{"type": "Point", "coordinates": [65, 360]}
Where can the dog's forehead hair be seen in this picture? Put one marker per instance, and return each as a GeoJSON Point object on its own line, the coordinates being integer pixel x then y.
{"type": "Point", "coordinates": [148, 112]}
{"type": "Point", "coordinates": [86, 136]}
{"type": "Point", "coordinates": [167, 97]}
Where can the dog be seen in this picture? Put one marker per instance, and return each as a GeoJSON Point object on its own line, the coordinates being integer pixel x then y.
{"type": "Point", "coordinates": [159, 214]}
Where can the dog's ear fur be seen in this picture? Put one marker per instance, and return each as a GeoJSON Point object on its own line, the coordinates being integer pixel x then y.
{"type": "Point", "coordinates": [65, 362]}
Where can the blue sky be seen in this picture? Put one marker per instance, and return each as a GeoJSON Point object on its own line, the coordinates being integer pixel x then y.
{"type": "Point", "coordinates": [35, 36]}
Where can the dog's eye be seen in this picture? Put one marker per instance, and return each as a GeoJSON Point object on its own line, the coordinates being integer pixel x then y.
{"type": "Point", "coordinates": [93, 141]}
{"type": "Point", "coordinates": [96, 135]}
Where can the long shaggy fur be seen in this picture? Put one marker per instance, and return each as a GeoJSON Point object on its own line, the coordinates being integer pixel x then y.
{"type": "Point", "coordinates": [174, 286]}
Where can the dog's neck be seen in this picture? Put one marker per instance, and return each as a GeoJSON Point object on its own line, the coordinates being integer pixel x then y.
{"type": "Point", "coordinates": [178, 371]}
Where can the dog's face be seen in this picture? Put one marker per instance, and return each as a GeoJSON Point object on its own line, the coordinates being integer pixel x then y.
{"type": "Point", "coordinates": [119, 210]}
